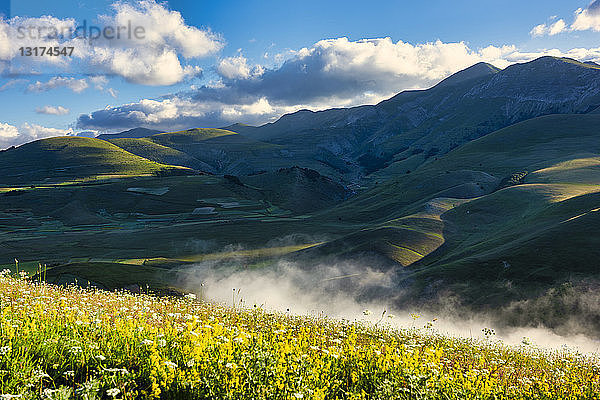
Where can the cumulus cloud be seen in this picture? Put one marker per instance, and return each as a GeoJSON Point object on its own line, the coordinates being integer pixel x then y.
{"type": "Point", "coordinates": [76, 85]}
{"type": "Point", "coordinates": [155, 56]}
{"type": "Point", "coordinates": [10, 135]}
{"type": "Point", "coordinates": [238, 68]}
{"type": "Point", "coordinates": [343, 72]}
{"type": "Point", "coordinates": [8, 132]}
{"type": "Point", "coordinates": [100, 83]}
{"type": "Point", "coordinates": [331, 73]}
{"type": "Point", "coordinates": [551, 30]}
{"type": "Point", "coordinates": [51, 110]}
{"type": "Point", "coordinates": [178, 113]}
{"type": "Point", "coordinates": [588, 18]}
{"type": "Point", "coordinates": [585, 19]}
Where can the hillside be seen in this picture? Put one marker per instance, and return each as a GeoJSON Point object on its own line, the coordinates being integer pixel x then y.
{"type": "Point", "coordinates": [131, 134]}
{"type": "Point", "coordinates": [512, 212]}
{"type": "Point", "coordinates": [108, 344]}
{"type": "Point", "coordinates": [70, 158]}
{"type": "Point", "coordinates": [299, 189]}
{"type": "Point", "coordinates": [220, 151]}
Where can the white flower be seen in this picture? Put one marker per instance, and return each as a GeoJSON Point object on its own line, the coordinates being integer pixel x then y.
{"type": "Point", "coordinates": [39, 374]}
{"type": "Point", "coordinates": [117, 370]}
{"type": "Point", "coordinates": [4, 350]}
{"type": "Point", "coordinates": [229, 365]}
{"type": "Point", "coordinates": [9, 396]}
{"type": "Point", "coordinates": [191, 296]}
{"type": "Point", "coordinates": [113, 392]}
{"type": "Point", "coordinates": [162, 342]}
{"type": "Point", "coordinates": [298, 395]}
{"type": "Point", "coordinates": [100, 357]}
{"type": "Point", "coordinates": [170, 364]}
{"type": "Point", "coordinates": [190, 363]}
{"type": "Point", "coordinates": [69, 373]}
{"type": "Point", "coordinates": [147, 342]}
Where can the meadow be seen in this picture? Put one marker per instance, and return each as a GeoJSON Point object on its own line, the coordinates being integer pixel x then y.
{"type": "Point", "coordinates": [59, 342]}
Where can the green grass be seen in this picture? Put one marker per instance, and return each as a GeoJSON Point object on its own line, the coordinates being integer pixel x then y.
{"type": "Point", "coordinates": [147, 148]}
{"type": "Point", "coordinates": [73, 158]}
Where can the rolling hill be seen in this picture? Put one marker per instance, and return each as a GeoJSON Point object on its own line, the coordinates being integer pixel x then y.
{"type": "Point", "coordinates": [220, 151]}
{"type": "Point", "coordinates": [499, 219]}
{"type": "Point", "coordinates": [70, 158]}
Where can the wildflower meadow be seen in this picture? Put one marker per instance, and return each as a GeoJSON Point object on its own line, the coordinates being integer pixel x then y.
{"type": "Point", "coordinates": [72, 342]}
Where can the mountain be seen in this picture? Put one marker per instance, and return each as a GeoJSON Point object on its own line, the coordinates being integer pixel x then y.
{"type": "Point", "coordinates": [134, 133]}
{"type": "Point", "coordinates": [399, 134]}
{"type": "Point", "coordinates": [362, 145]}
{"type": "Point", "coordinates": [478, 70]}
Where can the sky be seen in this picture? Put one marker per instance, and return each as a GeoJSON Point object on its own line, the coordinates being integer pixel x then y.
{"type": "Point", "coordinates": [181, 64]}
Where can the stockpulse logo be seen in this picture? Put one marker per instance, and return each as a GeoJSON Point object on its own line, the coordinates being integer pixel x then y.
{"type": "Point", "coordinates": [83, 31]}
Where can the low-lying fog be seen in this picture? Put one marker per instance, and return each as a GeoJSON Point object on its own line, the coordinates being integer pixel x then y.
{"type": "Point", "coordinates": [351, 291]}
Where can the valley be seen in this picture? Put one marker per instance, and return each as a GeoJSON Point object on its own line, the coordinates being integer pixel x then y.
{"type": "Point", "coordinates": [485, 187]}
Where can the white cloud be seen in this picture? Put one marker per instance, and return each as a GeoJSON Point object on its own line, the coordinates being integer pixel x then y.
{"type": "Point", "coordinates": [99, 82]}
{"type": "Point", "coordinates": [587, 19]}
{"type": "Point", "coordinates": [557, 27]}
{"type": "Point", "coordinates": [51, 110]}
{"type": "Point", "coordinates": [114, 93]}
{"type": "Point", "coordinates": [76, 85]}
{"type": "Point", "coordinates": [164, 28]}
{"type": "Point", "coordinates": [10, 135]}
{"type": "Point", "coordinates": [539, 30]}
{"type": "Point", "coordinates": [155, 57]}
{"type": "Point", "coordinates": [11, 83]}
{"type": "Point", "coordinates": [8, 132]}
{"type": "Point", "coordinates": [238, 68]}
{"type": "Point", "coordinates": [179, 113]}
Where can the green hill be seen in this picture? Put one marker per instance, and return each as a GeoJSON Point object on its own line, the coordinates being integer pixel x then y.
{"type": "Point", "coordinates": [145, 147]}
{"type": "Point", "coordinates": [221, 151]}
{"type": "Point", "coordinates": [299, 189]}
{"type": "Point", "coordinates": [70, 158]}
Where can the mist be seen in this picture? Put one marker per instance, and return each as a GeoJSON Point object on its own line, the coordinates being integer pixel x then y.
{"type": "Point", "coordinates": [349, 290]}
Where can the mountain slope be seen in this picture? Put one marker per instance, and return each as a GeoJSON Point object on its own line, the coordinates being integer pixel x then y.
{"type": "Point", "coordinates": [221, 151]}
{"type": "Point", "coordinates": [131, 133]}
{"type": "Point", "coordinates": [516, 207]}
{"type": "Point", "coordinates": [68, 158]}
{"type": "Point", "coordinates": [301, 190]}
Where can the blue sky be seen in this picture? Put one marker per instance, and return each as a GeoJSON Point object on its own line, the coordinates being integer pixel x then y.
{"type": "Point", "coordinates": [207, 63]}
